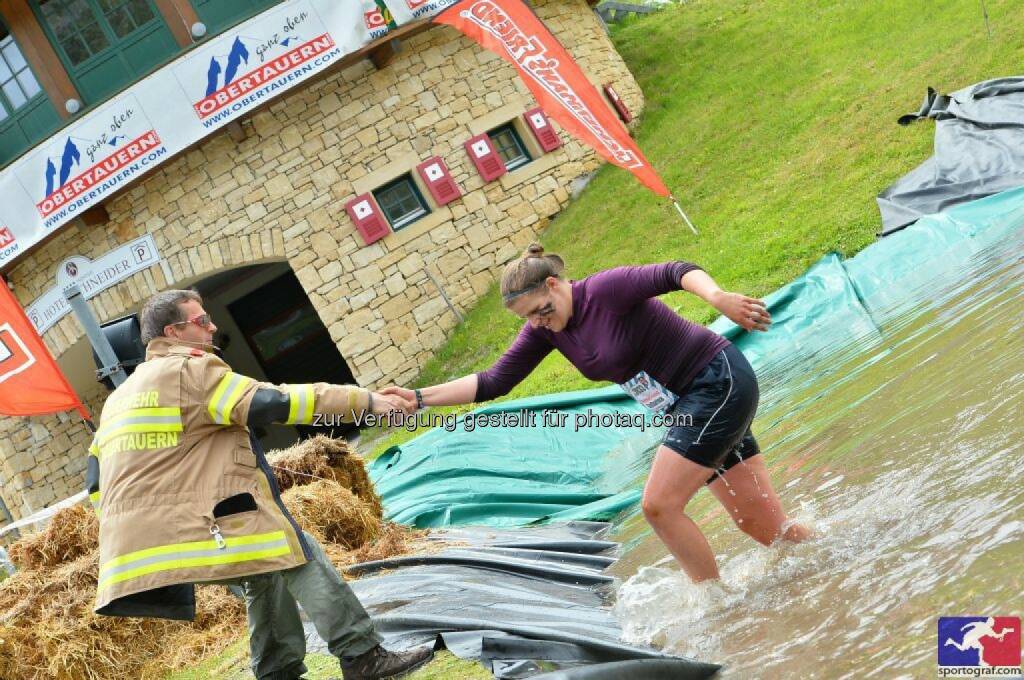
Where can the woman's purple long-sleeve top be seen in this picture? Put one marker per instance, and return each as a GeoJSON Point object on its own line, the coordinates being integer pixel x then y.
{"type": "Point", "coordinates": [616, 330]}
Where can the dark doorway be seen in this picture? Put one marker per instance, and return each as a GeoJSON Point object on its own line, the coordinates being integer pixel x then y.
{"type": "Point", "coordinates": [289, 341]}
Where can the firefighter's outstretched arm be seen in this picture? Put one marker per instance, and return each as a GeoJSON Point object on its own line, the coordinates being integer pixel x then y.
{"type": "Point", "coordinates": [301, 404]}
{"type": "Point", "coordinates": [232, 398]}
{"type": "Point", "coordinates": [268, 406]}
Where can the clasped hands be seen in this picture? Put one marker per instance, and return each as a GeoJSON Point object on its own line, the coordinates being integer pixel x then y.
{"type": "Point", "coordinates": [394, 398]}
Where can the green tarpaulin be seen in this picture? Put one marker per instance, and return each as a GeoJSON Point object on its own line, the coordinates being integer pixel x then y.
{"type": "Point", "coordinates": [516, 474]}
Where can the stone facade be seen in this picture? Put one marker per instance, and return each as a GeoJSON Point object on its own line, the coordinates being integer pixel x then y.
{"type": "Point", "coordinates": [279, 196]}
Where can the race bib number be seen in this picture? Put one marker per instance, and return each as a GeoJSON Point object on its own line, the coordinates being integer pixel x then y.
{"type": "Point", "coordinates": [649, 392]}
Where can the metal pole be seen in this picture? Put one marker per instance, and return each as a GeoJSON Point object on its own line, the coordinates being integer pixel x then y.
{"type": "Point", "coordinates": [99, 342]}
{"type": "Point", "coordinates": [685, 218]}
{"type": "Point", "coordinates": [443, 294]}
{"type": "Point", "coordinates": [8, 517]}
{"type": "Point", "coordinates": [984, 11]}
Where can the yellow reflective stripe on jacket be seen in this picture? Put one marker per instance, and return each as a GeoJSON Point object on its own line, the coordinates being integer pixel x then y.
{"type": "Point", "coordinates": [159, 419]}
{"type": "Point", "coordinates": [193, 554]}
{"type": "Point", "coordinates": [301, 400]}
{"type": "Point", "coordinates": [226, 396]}
{"type": "Point", "coordinates": [94, 498]}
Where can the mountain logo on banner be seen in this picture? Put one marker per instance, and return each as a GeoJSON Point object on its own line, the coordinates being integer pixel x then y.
{"type": "Point", "coordinates": [99, 156]}
{"type": "Point", "coordinates": [238, 71]}
{"type": "Point", "coordinates": [238, 55]}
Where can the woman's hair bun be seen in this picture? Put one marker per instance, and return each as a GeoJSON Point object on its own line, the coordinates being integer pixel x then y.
{"type": "Point", "coordinates": [534, 250]}
{"type": "Point", "coordinates": [529, 271]}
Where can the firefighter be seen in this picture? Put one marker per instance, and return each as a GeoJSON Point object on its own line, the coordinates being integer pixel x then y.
{"type": "Point", "coordinates": [185, 495]}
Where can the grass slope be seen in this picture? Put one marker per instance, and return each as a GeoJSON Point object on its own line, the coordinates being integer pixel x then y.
{"type": "Point", "coordinates": [774, 124]}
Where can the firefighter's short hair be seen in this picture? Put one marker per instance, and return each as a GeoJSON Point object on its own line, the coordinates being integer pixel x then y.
{"type": "Point", "coordinates": [162, 310]}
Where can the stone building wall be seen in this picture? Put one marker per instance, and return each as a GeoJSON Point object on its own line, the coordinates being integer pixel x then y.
{"type": "Point", "coordinates": [280, 194]}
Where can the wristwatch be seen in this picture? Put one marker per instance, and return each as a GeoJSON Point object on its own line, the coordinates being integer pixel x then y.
{"type": "Point", "coordinates": [419, 399]}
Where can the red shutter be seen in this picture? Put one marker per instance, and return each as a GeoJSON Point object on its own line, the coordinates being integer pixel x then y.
{"type": "Point", "coordinates": [619, 105]}
{"type": "Point", "coordinates": [368, 218]}
{"type": "Point", "coordinates": [485, 157]}
{"type": "Point", "coordinates": [435, 175]}
{"type": "Point", "coordinates": [542, 130]}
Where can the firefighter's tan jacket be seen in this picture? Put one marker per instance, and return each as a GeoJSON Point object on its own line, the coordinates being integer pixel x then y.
{"type": "Point", "coordinates": [184, 492]}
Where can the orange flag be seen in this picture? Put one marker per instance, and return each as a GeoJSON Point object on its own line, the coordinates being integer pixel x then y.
{"type": "Point", "coordinates": [31, 383]}
{"type": "Point", "coordinates": [509, 29]}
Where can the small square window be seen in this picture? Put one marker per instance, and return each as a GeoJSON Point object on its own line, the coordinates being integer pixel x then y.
{"type": "Point", "coordinates": [509, 146]}
{"type": "Point", "coordinates": [401, 201]}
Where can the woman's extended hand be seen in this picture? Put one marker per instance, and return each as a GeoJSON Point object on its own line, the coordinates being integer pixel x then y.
{"type": "Point", "coordinates": [747, 312]}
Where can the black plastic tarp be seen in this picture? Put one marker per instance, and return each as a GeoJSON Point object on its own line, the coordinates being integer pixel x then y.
{"type": "Point", "coordinates": [523, 602]}
{"type": "Point", "coordinates": [979, 151]}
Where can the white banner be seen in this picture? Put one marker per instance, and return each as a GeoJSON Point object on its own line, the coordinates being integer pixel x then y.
{"type": "Point", "coordinates": [92, 276]}
{"type": "Point", "coordinates": [181, 103]}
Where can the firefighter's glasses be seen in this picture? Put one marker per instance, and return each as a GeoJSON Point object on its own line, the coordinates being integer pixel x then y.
{"type": "Point", "coordinates": [203, 321]}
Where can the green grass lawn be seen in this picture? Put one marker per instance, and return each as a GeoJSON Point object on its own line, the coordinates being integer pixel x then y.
{"type": "Point", "coordinates": [233, 664]}
{"type": "Point", "coordinates": [773, 122]}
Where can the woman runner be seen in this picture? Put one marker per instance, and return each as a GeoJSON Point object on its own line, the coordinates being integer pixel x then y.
{"type": "Point", "coordinates": [611, 326]}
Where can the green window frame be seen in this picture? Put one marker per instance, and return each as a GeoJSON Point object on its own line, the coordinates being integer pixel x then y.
{"type": "Point", "coordinates": [26, 113]}
{"type": "Point", "coordinates": [401, 201]}
{"type": "Point", "coordinates": [18, 85]}
{"type": "Point", "coordinates": [106, 44]}
{"type": "Point", "coordinates": [219, 15]}
{"type": "Point", "coordinates": [76, 28]}
{"type": "Point", "coordinates": [127, 16]}
{"type": "Point", "coordinates": [509, 146]}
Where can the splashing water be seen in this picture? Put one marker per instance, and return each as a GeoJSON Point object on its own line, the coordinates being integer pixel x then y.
{"type": "Point", "coordinates": [905, 456]}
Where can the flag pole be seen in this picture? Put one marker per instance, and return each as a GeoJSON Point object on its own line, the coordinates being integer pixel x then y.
{"type": "Point", "coordinates": [683, 215]}
{"type": "Point", "coordinates": [984, 11]}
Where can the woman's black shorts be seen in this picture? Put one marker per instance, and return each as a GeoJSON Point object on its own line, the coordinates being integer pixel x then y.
{"type": "Point", "coordinates": [720, 402]}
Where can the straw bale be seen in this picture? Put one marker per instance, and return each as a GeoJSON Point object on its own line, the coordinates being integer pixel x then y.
{"type": "Point", "coordinates": [50, 631]}
{"type": "Point", "coordinates": [332, 513]}
{"type": "Point", "coordinates": [48, 628]}
{"type": "Point", "coordinates": [71, 533]}
{"type": "Point", "coordinates": [321, 457]}
{"type": "Point", "coordinates": [393, 540]}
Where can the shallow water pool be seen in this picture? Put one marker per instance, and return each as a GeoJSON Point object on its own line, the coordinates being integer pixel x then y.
{"type": "Point", "coordinates": [904, 451]}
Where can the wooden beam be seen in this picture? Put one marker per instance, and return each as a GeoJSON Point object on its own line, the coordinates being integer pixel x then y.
{"type": "Point", "coordinates": [95, 216]}
{"type": "Point", "coordinates": [179, 15]}
{"type": "Point", "coordinates": [235, 131]}
{"type": "Point", "coordinates": [401, 33]}
{"type": "Point", "coordinates": [39, 54]}
{"type": "Point", "coordinates": [381, 55]}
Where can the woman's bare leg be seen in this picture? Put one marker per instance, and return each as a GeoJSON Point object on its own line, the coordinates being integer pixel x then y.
{"type": "Point", "coordinates": [747, 494]}
{"type": "Point", "coordinates": [672, 483]}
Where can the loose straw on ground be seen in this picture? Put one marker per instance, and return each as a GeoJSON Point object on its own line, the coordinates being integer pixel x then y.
{"type": "Point", "coordinates": [48, 629]}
